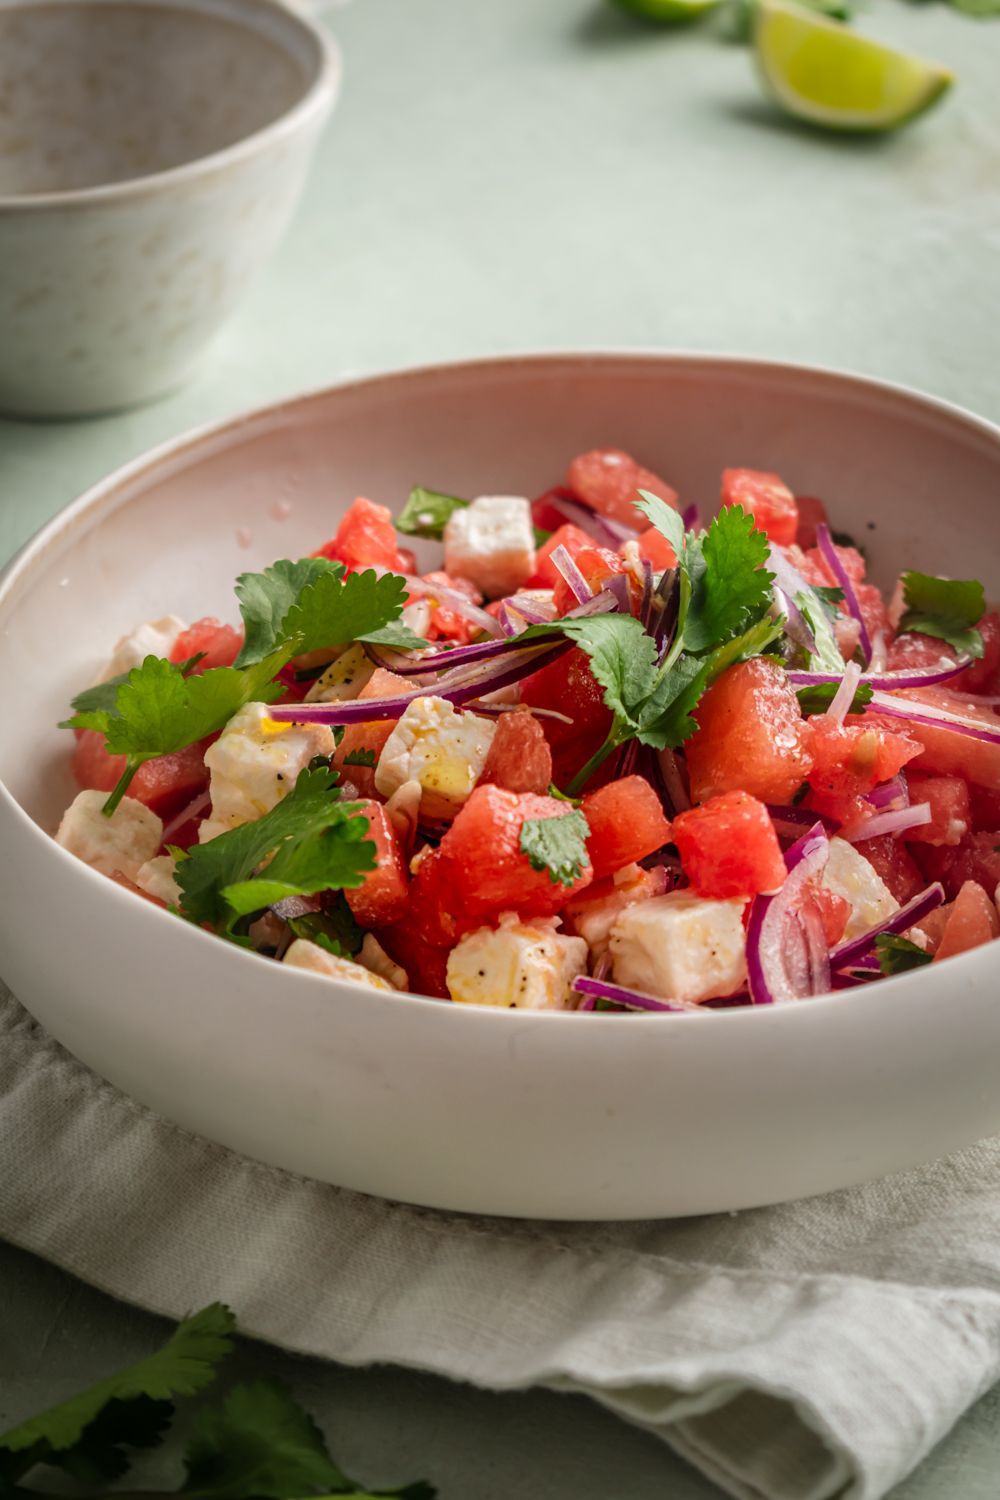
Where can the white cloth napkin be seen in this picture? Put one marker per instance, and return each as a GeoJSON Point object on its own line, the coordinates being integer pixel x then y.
{"type": "Point", "coordinates": [813, 1350]}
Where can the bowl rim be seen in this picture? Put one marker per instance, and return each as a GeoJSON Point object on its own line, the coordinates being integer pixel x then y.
{"type": "Point", "coordinates": [317, 97]}
{"type": "Point", "coordinates": [106, 494]}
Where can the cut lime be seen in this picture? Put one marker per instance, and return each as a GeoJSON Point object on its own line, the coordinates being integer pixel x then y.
{"type": "Point", "coordinates": [821, 71]}
{"type": "Point", "coordinates": [669, 12]}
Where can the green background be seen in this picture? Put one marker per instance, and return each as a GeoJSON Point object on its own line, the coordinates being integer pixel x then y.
{"type": "Point", "coordinates": [515, 174]}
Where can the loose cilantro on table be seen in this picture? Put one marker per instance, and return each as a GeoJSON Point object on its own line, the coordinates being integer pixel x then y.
{"type": "Point", "coordinates": [558, 845]}
{"type": "Point", "coordinates": [947, 608]}
{"type": "Point", "coordinates": [311, 840]}
{"type": "Point", "coordinates": [256, 1444]}
{"type": "Point", "coordinates": [896, 955]}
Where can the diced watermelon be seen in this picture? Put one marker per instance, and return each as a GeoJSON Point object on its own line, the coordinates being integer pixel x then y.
{"type": "Point", "coordinates": [817, 570]}
{"type": "Point", "coordinates": [812, 513]}
{"type": "Point", "coordinates": [728, 847]}
{"type": "Point", "coordinates": [568, 686]}
{"type": "Point", "coordinates": [365, 538]}
{"type": "Point", "coordinates": [609, 481]}
{"type": "Point", "coordinates": [834, 911]}
{"type": "Point", "coordinates": [545, 511]}
{"type": "Point", "coordinates": [951, 812]}
{"type": "Point", "coordinates": [985, 804]}
{"type": "Point", "coordinates": [448, 623]}
{"type": "Point", "coordinates": [873, 611]}
{"type": "Point", "coordinates": [479, 869]}
{"type": "Point", "coordinates": [949, 753]}
{"type": "Point", "coordinates": [164, 785]}
{"type": "Point", "coordinates": [852, 759]}
{"type": "Point", "coordinates": [914, 651]}
{"type": "Point", "coordinates": [751, 738]}
{"type": "Point", "coordinates": [519, 758]}
{"type": "Point", "coordinates": [655, 548]}
{"type": "Point", "coordinates": [895, 864]}
{"type": "Point", "coordinates": [425, 963]}
{"type": "Point", "coordinates": [767, 498]}
{"type": "Point", "coordinates": [972, 921]}
{"type": "Point", "coordinates": [369, 736]}
{"type": "Point", "coordinates": [626, 823]}
{"type": "Point", "coordinates": [384, 895]}
{"type": "Point", "coordinates": [221, 644]}
{"type": "Point", "coordinates": [573, 538]}
{"type": "Point", "coordinates": [598, 565]}
{"type": "Point", "coordinates": [976, 858]}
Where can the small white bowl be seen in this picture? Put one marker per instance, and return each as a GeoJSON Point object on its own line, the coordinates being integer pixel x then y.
{"type": "Point", "coordinates": [497, 1111]}
{"type": "Point", "coordinates": [151, 155]}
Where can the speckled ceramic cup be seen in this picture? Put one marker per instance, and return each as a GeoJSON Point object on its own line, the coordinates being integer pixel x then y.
{"type": "Point", "coordinates": [151, 155]}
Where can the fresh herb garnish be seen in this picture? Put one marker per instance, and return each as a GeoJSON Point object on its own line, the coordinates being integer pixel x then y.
{"type": "Point", "coordinates": [947, 608]}
{"type": "Point", "coordinates": [104, 695]}
{"type": "Point", "coordinates": [896, 955]}
{"type": "Point", "coordinates": [558, 845]}
{"type": "Point", "coordinates": [426, 513]}
{"type": "Point", "coordinates": [333, 928]}
{"type": "Point", "coordinates": [158, 710]}
{"type": "Point", "coordinates": [363, 756]}
{"type": "Point", "coordinates": [312, 842]}
{"type": "Point", "coordinates": [256, 1444]}
{"type": "Point", "coordinates": [817, 699]}
{"type": "Point", "coordinates": [313, 605]}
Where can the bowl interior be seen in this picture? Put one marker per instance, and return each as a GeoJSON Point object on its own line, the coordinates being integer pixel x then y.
{"type": "Point", "coordinates": [94, 93]}
{"type": "Point", "coordinates": [916, 483]}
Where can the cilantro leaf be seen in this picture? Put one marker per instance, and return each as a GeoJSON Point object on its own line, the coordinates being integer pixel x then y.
{"type": "Point", "coordinates": [104, 695]}
{"type": "Point", "coordinates": [317, 844]}
{"type": "Point", "coordinates": [947, 608]}
{"type": "Point", "coordinates": [817, 699]}
{"type": "Point", "coordinates": [360, 757]}
{"type": "Point", "coordinates": [332, 611]}
{"type": "Point", "coordinates": [667, 720]}
{"type": "Point", "coordinates": [896, 955]}
{"type": "Point", "coordinates": [157, 709]}
{"type": "Point", "coordinates": [730, 585]}
{"type": "Point", "coordinates": [556, 844]}
{"type": "Point", "coordinates": [333, 928]}
{"type": "Point", "coordinates": [258, 1443]}
{"type": "Point", "coordinates": [667, 521]}
{"type": "Point", "coordinates": [622, 658]}
{"type": "Point", "coordinates": [85, 1434]}
{"type": "Point", "coordinates": [265, 599]}
{"type": "Point", "coordinates": [426, 513]}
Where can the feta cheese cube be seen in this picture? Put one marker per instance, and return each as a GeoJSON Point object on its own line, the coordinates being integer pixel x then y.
{"type": "Point", "coordinates": [849, 874]}
{"type": "Point", "coordinates": [255, 763]}
{"type": "Point", "coordinates": [156, 878]}
{"type": "Point", "coordinates": [491, 542]}
{"type": "Point", "coordinates": [154, 638]}
{"type": "Point", "coordinates": [593, 919]}
{"type": "Point", "coordinates": [441, 748]}
{"type": "Point", "coordinates": [119, 844]}
{"type": "Point", "coordinates": [306, 955]}
{"type": "Point", "coordinates": [680, 947]}
{"type": "Point", "coordinates": [375, 959]}
{"type": "Point", "coordinates": [344, 678]}
{"type": "Point", "coordinates": [523, 964]}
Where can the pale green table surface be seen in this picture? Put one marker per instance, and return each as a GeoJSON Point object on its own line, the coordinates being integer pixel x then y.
{"type": "Point", "coordinates": [512, 174]}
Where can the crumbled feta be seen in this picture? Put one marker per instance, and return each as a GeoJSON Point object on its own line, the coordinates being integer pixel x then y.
{"type": "Point", "coordinates": [594, 919]}
{"type": "Point", "coordinates": [306, 955]}
{"type": "Point", "coordinates": [154, 638]}
{"type": "Point", "coordinates": [850, 875]}
{"type": "Point", "coordinates": [343, 678]}
{"type": "Point", "coordinates": [375, 959]}
{"type": "Point", "coordinates": [119, 844]}
{"type": "Point", "coordinates": [156, 878]}
{"type": "Point", "coordinates": [442, 749]}
{"type": "Point", "coordinates": [255, 763]}
{"type": "Point", "coordinates": [680, 947]}
{"type": "Point", "coordinates": [491, 542]}
{"type": "Point", "coordinates": [523, 964]}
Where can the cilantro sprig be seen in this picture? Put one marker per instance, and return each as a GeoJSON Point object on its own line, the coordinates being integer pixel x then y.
{"type": "Point", "coordinates": [427, 512]}
{"type": "Point", "coordinates": [897, 955]}
{"type": "Point", "coordinates": [946, 608]}
{"type": "Point", "coordinates": [308, 842]}
{"type": "Point", "coordinates": [558, 845]}
{"type": "Point", "coordinates": [257, 1443]}
{"type": "Point", "coordinates": [312, 603]}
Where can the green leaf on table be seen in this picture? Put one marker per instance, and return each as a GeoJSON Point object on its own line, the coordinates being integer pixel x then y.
{"type": "Point", "coordinates": [558, 845]}
{"type": "Point", "coordinates": [426, 513]}
{"type": "Point", "coordinates": [258, 1445]}
{"type": "Point", "coordinates": [946, 608]}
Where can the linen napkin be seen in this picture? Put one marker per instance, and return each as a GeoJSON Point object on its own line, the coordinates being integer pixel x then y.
{"type": "Point", "coordinates": [814, 1350]}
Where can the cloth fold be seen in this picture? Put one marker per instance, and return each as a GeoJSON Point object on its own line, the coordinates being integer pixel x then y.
{"type": "Point", "coordinates": [803, 1352]}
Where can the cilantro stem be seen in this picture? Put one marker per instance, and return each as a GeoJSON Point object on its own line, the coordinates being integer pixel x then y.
{"type": "Point", "coordinates": [614, 739]}
{"type": "Point", "coordinates": [124, 782]}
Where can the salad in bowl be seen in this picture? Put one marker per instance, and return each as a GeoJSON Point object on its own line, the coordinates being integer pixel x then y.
{"type": "Point", "coordinates": [606, 756]}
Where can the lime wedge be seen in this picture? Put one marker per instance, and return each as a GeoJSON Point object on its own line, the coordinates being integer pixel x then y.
{"type": "Point", "coordinates": [821, 71]}
{"type": "Point", "coordinates": [669, 12]}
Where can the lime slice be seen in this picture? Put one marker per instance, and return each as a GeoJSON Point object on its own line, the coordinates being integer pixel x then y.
{"type": "Point", "coordinates": [821, 71]}
{"type": "Point", "coordinates": [669, 12]}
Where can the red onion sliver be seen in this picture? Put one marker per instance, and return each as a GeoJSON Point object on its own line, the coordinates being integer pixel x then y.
{"type": "Point", "coordinates": [825, 543]}
{"type": "Point", "coordinates": [898, 820]}
{"type": "Point", "coordinates": [601, 528]}
{"type": "Point", "coordinates": [496, 710]}
{"type": "Point", "coordinates": [895, 791]}
{"type": "Point", "coordinates": [779, 939]}
{"type": "Point", "coordinates": [847, 954]}
{"type": "Point", "coordinates": [691, 518]}
{"type": "Point", "coordinates": [844, 696]}
{"type": "Point", "coordinates": [571, 575]}
{"type": "Point", "coordinates": [452, 598]}
{"type": "Point", "coordinates": [887, 681]}
{"type": "Point", "coordinates": [194, 809]}
{"type": "Point", "coordinates": [673, 779]}
{"type": "Point", "coordinates": [633, 999]}
{"type": "Point", "coordinates": [796, 625]}
{"type": "Point", "coordinates": [932, 717]}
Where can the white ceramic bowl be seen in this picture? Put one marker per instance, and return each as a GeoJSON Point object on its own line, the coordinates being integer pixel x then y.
{"type": "Point", "coordinates": [498, 1111]}
{"type": "Point", "coordinates": [151, 154]}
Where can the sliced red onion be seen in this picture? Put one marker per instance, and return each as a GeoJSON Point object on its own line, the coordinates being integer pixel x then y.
{"type": "Point", "coordinates": [825, 543]}
{"type": "Point", "coordinates": [646, 605]}
{"type": "Point", "coordinates": [669, 767]}
{"type": "Point", "coordinates": [887, 681]}
{"type": "Point", "coordinates": [847, 954]}
{"type": "Point", "coordinates": [618, 587]}
{"type": "Point", "coordinates": [570, 574]}
{"type": "Point", "coordinates": [601, 528]}
{"type": "Point", "coordinates": [632, 999]}
{"type": "Point", "coordinates": [456, 601]}
{"type": "Point", "coordinates": [880, 652]}
{"type": "Point", "coordinates": [194, 809]}
{"type": "Point", "coordinates": [495, 710]}
{"type": "Point", "coordinates": [691, 518]}
{"type": "Point", "coordinates": [785, 958]}
{"type": "Point", "coordinates": [891, 793]}
{"type": "Point", "coordinates": [896, 821]}
{"type": "Point", "coordinates": [796, 624]}
{"type": "Point", "coordinates": [519, 610]}
{"type": "Point", "coordinates": [842, 699]}
{"type": "Point", "coordinates": [791, 822]}
{"type": "Point", "coordinates": [933, 717]}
